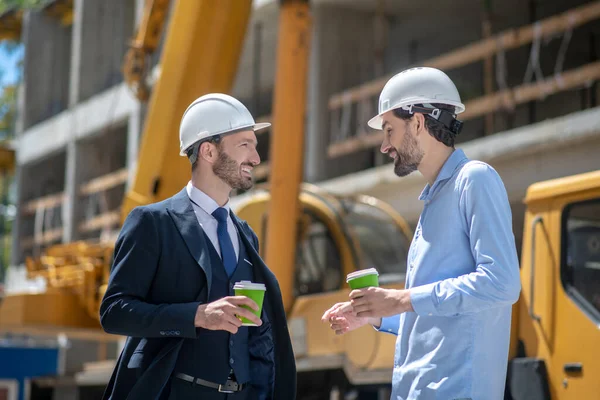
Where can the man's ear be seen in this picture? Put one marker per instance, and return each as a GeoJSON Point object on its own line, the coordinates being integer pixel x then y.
{"type": "Point", "coordinates": [419, 121]}
{"type": "Point", "coordinates": [207, 151]}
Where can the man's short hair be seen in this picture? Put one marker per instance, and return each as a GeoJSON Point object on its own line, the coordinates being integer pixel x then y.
{"type": "Point", "coordinates": [433, 126]}
{"type": "Point", "coordinates": [194, 150]}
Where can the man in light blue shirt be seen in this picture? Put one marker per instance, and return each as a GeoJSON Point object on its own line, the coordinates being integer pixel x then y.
{"type": "Point", "coordinates": [453, 317]}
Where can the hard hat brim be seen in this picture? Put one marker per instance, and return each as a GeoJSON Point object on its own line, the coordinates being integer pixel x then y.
{"type": "Point", "coordinates": [261, 125]}
{"type": "Point", "coordinates": [375, 122]}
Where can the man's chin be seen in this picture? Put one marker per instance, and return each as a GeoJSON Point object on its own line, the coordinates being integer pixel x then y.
{"type": "Point", "coordinates": [246, 184]}
{"type": "Point", "coordinates": [402, 172]}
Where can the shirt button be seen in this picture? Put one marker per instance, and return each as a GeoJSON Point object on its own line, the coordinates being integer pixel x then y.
{"type": "Point", "coordinates": [231, 361]}
{"type": "Point", "coordinates": [389, 330]}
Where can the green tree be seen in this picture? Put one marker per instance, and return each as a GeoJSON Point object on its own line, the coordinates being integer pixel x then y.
{"type": "Point", "coordinates": [19, 4]}
{"type": "Point", "coordinates": [8, 112]}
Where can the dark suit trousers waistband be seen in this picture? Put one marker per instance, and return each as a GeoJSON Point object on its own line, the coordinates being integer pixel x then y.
{"type": "Point", "coordinates": [182, 390]}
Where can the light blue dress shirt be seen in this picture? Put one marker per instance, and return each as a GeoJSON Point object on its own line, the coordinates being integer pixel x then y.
{"type": "Point", "coordinates": [463, 276]}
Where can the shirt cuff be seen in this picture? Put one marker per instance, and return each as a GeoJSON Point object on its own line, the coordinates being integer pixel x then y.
{"type": "Point", "coordinates": [421, 298]}
{"type": "Point", "coordinates": [388, 325]}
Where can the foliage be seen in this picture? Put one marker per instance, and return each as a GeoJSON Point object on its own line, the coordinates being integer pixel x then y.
{"type": "Point", "coordinates": [19, 4]}
{"type": "Point", "coordinates": [8, 111]}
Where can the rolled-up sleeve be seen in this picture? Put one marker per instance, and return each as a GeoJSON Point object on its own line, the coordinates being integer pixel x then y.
{"type": "Point", "coordinates": [495, 280]}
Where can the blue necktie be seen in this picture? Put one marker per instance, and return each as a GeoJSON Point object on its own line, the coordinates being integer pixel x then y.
{"type": "Point", "coordinates": [227, 251]}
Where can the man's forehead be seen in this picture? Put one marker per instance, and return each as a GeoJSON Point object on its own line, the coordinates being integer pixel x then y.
{"type": "Point", "coordinates": [248, 135]}
{"type": "Point", "coordinates": [385, 118]}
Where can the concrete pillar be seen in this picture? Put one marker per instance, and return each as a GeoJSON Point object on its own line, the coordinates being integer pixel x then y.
{"type": "Point", "coordinates": [316, 135]}
{"type": "Point", "coordinates": [139, 10]}
{"type": "Point", "coordinates": [108, 30]}
{"type": "Point", "coordinates": [46, 68]}
{"type": "Point", "coordinates": [69, 205]}
{"type": "Point", "coordinates": [20, 125]}
{"type": "Point", "coordinates": [134, 128]}
{"type": "Point", "coordinates": [15, 254]}
{"type": "Point", "coordinates": [76, 44]}
{"type": "Point", "coordinates": [341, 42]}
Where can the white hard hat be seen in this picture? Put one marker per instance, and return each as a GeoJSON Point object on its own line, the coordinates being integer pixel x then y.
{"type": "Point", "coordinates": [211, 115]}
{"type": "Point", "coordinates": [423, 86]}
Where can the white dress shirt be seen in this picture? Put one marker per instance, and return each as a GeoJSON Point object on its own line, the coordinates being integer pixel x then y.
{"type": "Point", "coordinates": [204, 206]}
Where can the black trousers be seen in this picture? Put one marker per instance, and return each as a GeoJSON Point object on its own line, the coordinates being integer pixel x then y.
{"type": "Point", "coordinates": [183, 390]}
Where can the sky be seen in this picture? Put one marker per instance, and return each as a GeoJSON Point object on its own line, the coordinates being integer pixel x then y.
{"type": "Point", "coordinates": [8, 66]}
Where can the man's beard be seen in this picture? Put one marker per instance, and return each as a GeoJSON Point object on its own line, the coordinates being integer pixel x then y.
{"type": "Point", "coordinates": [230, 172]}
{"type": "Point", "coordinates": [410, 157]}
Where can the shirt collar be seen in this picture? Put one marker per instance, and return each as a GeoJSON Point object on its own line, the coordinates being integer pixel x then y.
{"type": "Point", "coordinates": [202, 200]}
{"type": "Point", "coordinates": [452, 163]}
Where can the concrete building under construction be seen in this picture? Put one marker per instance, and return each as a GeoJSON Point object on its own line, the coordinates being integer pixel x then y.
{"type": "Point", "coordinates": [527, 73]}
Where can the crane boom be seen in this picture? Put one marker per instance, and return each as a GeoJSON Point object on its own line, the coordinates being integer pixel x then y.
{"type": "Point", "coordinates": [287, 142]}
{"type": "Point", "coordinates": [200, 55]}
{"type": "Point", "coordinates": [147, 38]}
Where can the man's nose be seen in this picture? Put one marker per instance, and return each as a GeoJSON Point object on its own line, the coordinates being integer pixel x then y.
{"type": "Point", "coordinates": [385, 146]}
{"type": "Point", "coordinates": [255, 158]}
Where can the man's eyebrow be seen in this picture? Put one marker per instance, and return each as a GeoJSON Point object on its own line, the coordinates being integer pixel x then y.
{"type": "Point", "coordinates": [384, 124]}
{"type": "Point", "coordinates": [253, 141]}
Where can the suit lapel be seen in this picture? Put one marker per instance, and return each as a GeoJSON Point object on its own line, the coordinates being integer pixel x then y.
{"type": "Point", "coordinates": [260, 268]}
{"type": "Point", "coordinates": [183, 215]}
{"type": "Point", "coordinates": [248, 241]}
{"type": "Point", "coordinates": [263, 275]}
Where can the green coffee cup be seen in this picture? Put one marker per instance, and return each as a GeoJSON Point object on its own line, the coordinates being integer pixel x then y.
{"type": "Point", "coordinates": [363, 278]}
{"type": "Point", "coordinates": [254, 291]}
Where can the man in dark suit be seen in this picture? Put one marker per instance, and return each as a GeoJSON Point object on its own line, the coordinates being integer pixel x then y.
{"type": "Point", "coordinates": [175, 265]}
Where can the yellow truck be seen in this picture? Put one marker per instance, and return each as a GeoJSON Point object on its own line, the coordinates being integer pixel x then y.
{"type": "Point", "coordinates": [312, 238]}
{"type": "Point", "coordinates": [556, 323]}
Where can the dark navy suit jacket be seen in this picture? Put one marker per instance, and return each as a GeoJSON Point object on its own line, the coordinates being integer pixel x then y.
{"type": "Point", "coordinates": [161, 273]}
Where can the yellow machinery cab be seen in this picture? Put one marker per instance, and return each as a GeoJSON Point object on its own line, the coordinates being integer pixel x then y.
{"type": "Point", "coordinates": [335, 236]}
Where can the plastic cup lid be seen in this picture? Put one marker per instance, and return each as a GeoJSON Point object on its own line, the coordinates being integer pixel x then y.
{"type": "Point", "coordinates": [361, 273]}
{"type": "Point", "coordinates": [249, 285]}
